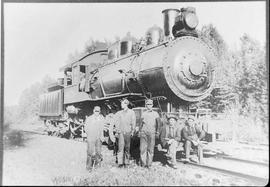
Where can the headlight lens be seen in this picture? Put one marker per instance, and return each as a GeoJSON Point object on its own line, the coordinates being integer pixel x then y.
{"type": "Point", "coordinates": [191, 20]}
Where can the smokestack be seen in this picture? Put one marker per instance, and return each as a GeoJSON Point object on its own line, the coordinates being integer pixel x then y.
{"type": "Point", "coordinates": [169, 16]}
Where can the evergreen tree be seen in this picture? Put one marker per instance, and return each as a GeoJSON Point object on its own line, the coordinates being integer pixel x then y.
{"type": "Point", "coordinates": [252, 84]}
{"type": "Point", "coordinates": [29, 99]}
{"type": "Point", "coordinates": [94, 45]}
{"type": "Point", "coordinates": [218, 98]}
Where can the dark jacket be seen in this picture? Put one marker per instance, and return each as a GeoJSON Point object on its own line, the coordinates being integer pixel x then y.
{"type": "Point", "coordinates": [193, 133]}
{"type": "Point", "coordinates": [170, 132]}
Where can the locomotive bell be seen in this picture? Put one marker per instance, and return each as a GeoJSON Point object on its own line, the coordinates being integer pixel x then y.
{"type": "Point", "coordinates": [169, 16]}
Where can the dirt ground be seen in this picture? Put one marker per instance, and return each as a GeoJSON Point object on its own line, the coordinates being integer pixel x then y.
{"type": "Point", "coordinates": [45, 160]}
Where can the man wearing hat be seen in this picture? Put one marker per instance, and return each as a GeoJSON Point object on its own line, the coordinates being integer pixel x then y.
{"type": "Point", "coordinates": [170, 138]}
{"type": "Point", "coordinates": [125, 121]}
{"type": "Point", "coordinates": [192, 134]}
{"type": "Point", "coordinates": [148, 130]}
{"type": "Point", "coordinates": [94, 129]}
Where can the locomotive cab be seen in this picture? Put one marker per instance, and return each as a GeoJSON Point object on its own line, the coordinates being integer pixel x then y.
{"type": "Point", "coordinates": [68, 77]}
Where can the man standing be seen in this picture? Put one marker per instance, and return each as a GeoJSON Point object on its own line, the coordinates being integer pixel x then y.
{"type": "Point", "coordinates": [192, 135]}
{"type": "Point", "coordinates": [148, 130]}
{"type": "Point", "coordinates": [170, 138]}
{"type": "Point", "coordinates": [94, 130]}
{"type": "Point", "coordinates": [125, 121]}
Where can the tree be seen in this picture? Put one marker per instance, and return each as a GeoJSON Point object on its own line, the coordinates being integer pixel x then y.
{"type": "Point", "coordinates": [94, 45]}
{"type": "Point", "coordinates": [252, 84]}
{"type": "Point", "coordinates": [210, 35]}
{"type": "Point", "coordinates": [10, 115]}
{"type": "Point", "coordinates": [90, 46]}
{"type": "Point", "coordinates": [73, 57]}
{"type": "Point", "coordinates": [218, 98]}
{"type": "Point", "coordinates": [29, 99]}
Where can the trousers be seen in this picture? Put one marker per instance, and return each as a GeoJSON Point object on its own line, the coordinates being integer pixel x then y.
{"type": "Point", "coordinates": [171, 151]}
{"type": "Point", "coordinates": [147, 144]}
{"type": "Point", "coordinates": [93, 151]}
{"type": "Point", "coordinates": [123, 154]}
{"type": "Point", "coordinates": [189, 145]}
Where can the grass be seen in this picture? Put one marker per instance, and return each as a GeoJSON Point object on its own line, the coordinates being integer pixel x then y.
{"type": "Point", "coordinates": [133, 176]}
{"type": "Point", "coordinates": [158, 175]}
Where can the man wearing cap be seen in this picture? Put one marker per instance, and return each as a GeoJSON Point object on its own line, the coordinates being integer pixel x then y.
{"type": "Point", "coordinates": [125, 121]}
{"type": "Point", "coordinates": [94, 130]}
{"type": "Point", "coordinates": [147, 132]}
{"type": "Point", "coordinates": [192, 134]}
{"type": "Point", "coordinates": [170, 138]}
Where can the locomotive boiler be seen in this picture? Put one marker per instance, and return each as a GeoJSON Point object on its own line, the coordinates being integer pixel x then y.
{"type": "Point", "coordinates": [171, 66]}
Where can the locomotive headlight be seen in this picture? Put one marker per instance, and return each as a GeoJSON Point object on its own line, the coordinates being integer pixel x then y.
{"type": "Point", "coordinates": [191, 20]}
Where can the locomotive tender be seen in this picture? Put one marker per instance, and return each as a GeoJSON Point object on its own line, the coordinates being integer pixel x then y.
{"type": "Point", "coordinates": [174, 68]}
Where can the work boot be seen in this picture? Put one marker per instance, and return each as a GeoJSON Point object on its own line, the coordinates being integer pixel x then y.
{"type": "Point", "coordinates": [173, 166]}
{"type": "Point", "coordinates": [193, 160]}
{"type": "Point", "coordinates": [186, 160]}
{"type": "Point", "coordinates": [121, 165]}
{"type": "Point", "coordinates": [146, 166]}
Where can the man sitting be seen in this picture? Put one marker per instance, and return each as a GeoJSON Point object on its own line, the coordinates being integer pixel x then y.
{"type": "Point", "coordinates": [170, 138]}
{"type": "Point", "coordinates": [192, 134]}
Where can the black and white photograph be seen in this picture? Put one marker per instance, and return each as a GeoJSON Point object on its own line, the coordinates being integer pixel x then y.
{"type": "Point", "coordinates": [134, 93]}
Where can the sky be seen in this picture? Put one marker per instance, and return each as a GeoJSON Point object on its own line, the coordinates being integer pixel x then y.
{"type": "Point", "coordinates": [40, 36]}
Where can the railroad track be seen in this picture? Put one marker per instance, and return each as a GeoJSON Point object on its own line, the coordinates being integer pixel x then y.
{"type": "Point", "coordinates": [34, 132]}
{"type": "Point", "coordinates": [245, 161]}
{"type": "Point", "coordinates": [44, 133]}
{"type": "Point", "coordinates": [257, 179]}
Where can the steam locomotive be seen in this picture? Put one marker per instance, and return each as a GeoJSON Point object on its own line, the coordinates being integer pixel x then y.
{"type": "Point", "coordinates": [172, 66]}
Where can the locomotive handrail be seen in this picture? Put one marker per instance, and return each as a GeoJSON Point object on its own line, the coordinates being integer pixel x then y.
{"type": "Point", "coordinates": [136, 53]}
{"type": "Point", "coordinates": [116, 96]}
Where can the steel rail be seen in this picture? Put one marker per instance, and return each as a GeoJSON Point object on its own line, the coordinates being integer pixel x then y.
{"type": "Point", "coordinates": [244, 160]}
{"type": "Point", "coordinates": [45, 134]}
{"type": "Point", "coordinates": [259, 180]}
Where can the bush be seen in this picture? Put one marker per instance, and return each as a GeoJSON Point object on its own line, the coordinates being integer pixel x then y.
{"type": "Point", "coordinates": [13, 138]}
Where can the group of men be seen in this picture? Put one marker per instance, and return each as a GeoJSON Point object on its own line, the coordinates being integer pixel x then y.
{"type": "Point", "coordinates": [171, 134]}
